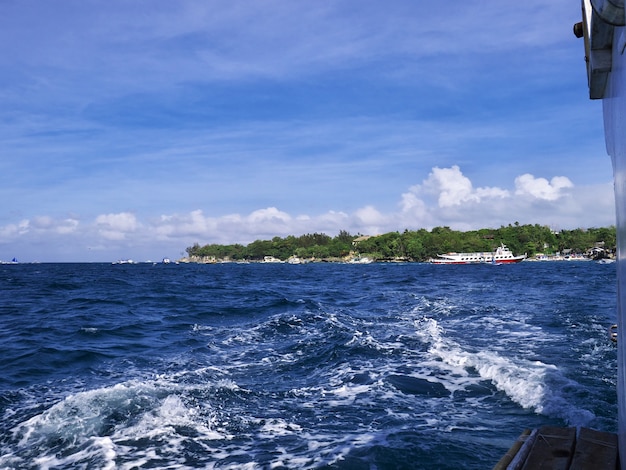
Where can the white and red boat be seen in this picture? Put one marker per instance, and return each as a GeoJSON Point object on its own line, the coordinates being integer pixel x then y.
{"type": "Point", "coordinates": [502, 255]}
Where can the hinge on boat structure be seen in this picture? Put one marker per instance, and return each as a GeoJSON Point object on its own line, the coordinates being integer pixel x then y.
{"type": "Point", "coordinates": [599, 19]}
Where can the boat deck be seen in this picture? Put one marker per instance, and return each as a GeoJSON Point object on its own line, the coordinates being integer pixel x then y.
{"type": "Point", "coordinates": [562, 448]}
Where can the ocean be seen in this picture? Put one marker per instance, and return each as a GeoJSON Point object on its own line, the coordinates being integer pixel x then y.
{"type": "Point", "coordinates": [278, 366]}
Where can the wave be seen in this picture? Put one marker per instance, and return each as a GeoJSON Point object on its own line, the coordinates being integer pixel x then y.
{"type": "Point", "coordinates": [166, 423]}
{"type": "Point", "coordinates": [97, 428]}
{"type": "Point", "coordinates": [531, 384]}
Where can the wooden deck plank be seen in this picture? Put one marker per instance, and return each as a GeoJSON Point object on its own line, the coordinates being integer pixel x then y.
{"type": "Point", "coordinates": [595, 450]}
{"type": "Point", "coordinates": [557, 448]}
{"type": "Point", "coordinates": [553, 449]}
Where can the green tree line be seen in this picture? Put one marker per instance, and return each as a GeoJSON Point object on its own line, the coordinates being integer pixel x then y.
{"type": "Point", "coordinates": [415, 245]}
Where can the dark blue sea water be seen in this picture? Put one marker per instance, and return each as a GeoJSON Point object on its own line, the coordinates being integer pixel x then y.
{"type": "Point", "coordinates": [270, 366]}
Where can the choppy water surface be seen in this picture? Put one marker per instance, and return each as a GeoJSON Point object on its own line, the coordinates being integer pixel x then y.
{"type": "Point", "coordinates": [258, 366]}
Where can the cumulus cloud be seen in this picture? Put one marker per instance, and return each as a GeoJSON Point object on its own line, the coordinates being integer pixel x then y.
{"type": "Point", "coordinates": [269, 215]}
{"type": "Point", "coordinates": [43, 226]}
{"type": "Point", "coordinates": [370, 220]}
{"type": "Point", "coordinates": [369, 215]}
{"type": "Point", "coordinates": [453, 188]}
{"type": "Point", "coordinates": [236, 228]}
{"type": "Point", "coordinates": [541, 188]}
{"type": "Point", "coordinates": [51, 225]}
{"type": "Point", "coordinates": [11, 231]}
{"type": "Point", "coordinates": [124, 221]}
{"type": "Point", "coordinates": [448, 197]}
{"type": "Point", "coordinates": [42, 222]}
{"type": "Point", "coordinates": [445, 197]}
{"type": "Point", "coordinates": [193, 224]}
{"type": "Point", "coordinates": [116, 226]}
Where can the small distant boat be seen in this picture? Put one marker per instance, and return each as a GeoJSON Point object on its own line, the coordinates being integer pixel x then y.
{"type": "Point", "coordinates": [13, 261]}
{"type": "Point", "coordinates": [166, 261]}
{"type": "Point", "coordinates": [123, 261]}
{"type": "Point", "coordinates": [502, 255]}
{"type": "Point", "coordinates": [576, 257]}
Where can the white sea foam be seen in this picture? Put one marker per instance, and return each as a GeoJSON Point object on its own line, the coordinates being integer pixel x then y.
{"type": "Point", "coordinates": [101, 449]}
{"type": "Point", "coordinates": [152, 410]}
{"type": "Point", "coordinates": [89, 330]}
{"type": "Point", "coordinates": [532, 384]}
{"type": "Point", "coordinates": [156, 422]}
{"type": "Point", "coordinates": [347, 394]}
{"type": "Point", "coordinates": [366, 339]}
{"type": "Point", "coordinates": [278, 427]}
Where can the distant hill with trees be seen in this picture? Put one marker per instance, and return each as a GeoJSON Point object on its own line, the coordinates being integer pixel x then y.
{"type": "Point", "coordinates": [413, 245]}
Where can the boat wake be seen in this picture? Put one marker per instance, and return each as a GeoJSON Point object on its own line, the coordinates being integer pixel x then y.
{"type": "Point", "coordinates": [392, 369]}
{"type": "Point", "coordinates": [531, 384]}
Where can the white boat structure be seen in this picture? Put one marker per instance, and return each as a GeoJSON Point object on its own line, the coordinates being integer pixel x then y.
{"type": "Point", "coordinates": [603, 28]}
{"type": "Point", "coordinates": [502, 255]}
{"type": "Point", "coordinates": [271, 259]}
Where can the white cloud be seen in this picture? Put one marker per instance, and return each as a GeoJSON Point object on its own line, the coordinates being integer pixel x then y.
{"type": "Point", "coordinates": [445, 197]}
{"type": "Point", "coordinates": [492, 192]}
{"type": "Point", "coordinates": [42, 222]}
{"type": "Point", "coordinates": [51, 225]}
{"type": "Point", "coordinates": [369, 216]}
{"type": "Point", "coordinates": [117, 226]}
{"type": "Point", "coordinates": [236, 228]}
{"type": "Point", "coordinates": [269, 215]}
{"type": "Point", "coordinates": [451, 188]}
{"type": "Point", "coordinates": [541, 188]}
{"type": "Point", "coordinates": [124, 221]}
{"type": "Point", "coordinates": [39, 226]}
{"type": "Point", "coordinates": [368, 220]}
{"type": "Point", "coordinates": [11, 231]}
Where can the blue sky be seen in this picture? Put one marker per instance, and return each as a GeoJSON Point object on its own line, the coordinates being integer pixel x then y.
{"type": "Point", "coordinates": [135, 129]}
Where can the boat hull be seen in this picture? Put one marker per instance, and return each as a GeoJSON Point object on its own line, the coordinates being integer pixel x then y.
{"type": "Point", "coordinates": [502, 255]}
{"type": "Point", "coordinates": [614, 114]}
{"type": "Point", "coordinates": [515, 260]}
